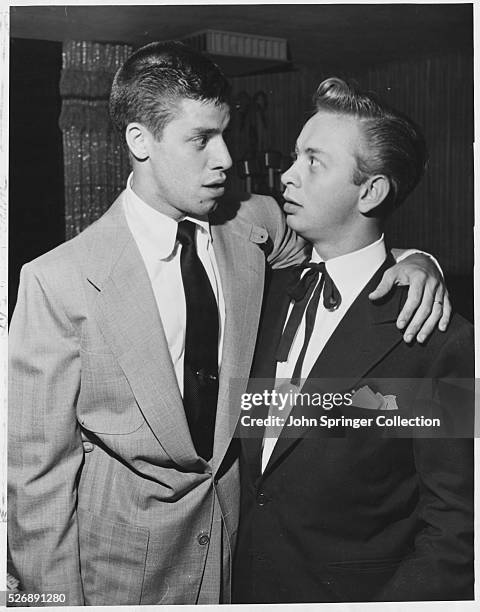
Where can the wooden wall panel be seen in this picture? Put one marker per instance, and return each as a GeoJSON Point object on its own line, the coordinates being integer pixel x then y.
{"type": "Point", "coordinates": [289, 96]}
{"type": "Point", "coordinates": [437, 93]}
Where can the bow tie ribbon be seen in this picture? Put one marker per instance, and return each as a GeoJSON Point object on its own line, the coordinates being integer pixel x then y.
{"type": "Point", "coordinates": [306, 292]}
{"type": "Point", "coordinates": [331, 295]}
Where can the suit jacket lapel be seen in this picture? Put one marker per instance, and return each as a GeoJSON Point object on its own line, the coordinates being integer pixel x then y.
{"type": "Point", "coordinates": [364, 336]}
{"type": "Point", "coordinates": [262, 375]}
{"type": "Point", "coordinates": [242, 269]}
{"type": "Point", "coordinates": [128, 318]}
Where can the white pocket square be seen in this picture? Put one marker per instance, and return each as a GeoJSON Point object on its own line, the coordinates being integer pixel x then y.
{"type": "Point", "coordinates": [368, 399]}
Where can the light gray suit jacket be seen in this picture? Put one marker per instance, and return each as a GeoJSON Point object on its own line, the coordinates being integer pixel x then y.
{"type": "Point", "coordinates": [140, 518]}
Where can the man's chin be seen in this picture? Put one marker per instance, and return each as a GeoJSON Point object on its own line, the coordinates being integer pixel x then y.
{"type": "Point", "coordinates": [295, 224]}
{"type": "Point", "coordinates": [292, 221]}
{"type": "Point", "coordinates": [203, 209]}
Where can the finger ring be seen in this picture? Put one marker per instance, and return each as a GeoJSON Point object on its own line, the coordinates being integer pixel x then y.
{"type": "Point", "coordinates": [438, 301]}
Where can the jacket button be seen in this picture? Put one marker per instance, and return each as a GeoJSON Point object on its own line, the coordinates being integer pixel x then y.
{"type": "Point", "coordinates": [203, 538]}
{"type": "Point", "coordinates": [262, 499]}
{"type": "Point", "coordinates": [88, 447]}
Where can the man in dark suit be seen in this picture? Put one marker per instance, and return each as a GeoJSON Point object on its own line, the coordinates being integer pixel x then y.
{"type": "Point", "coordinates": [353, 512]}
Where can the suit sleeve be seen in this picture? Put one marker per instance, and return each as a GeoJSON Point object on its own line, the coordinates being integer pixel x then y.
{"type": "Point", "coordinates": [441, 565]}
{"type": "Point", "coordinates": [45, 449]}
{"type": "Point", "coordinates": [286, 248]}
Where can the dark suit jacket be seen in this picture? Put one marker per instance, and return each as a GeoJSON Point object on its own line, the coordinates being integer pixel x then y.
{"type": "Point", "coordinates": [348, 514]}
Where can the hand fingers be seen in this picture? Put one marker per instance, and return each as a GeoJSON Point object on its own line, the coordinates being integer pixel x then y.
{"type": "Point", "coordinates": [414, 299]}
{"type": "Point", "coordinates": [447, 312]}
{"type": "Point", "coordinates": [435, 316]}
{"type": "Point", "coordinates": [384, 287]}
{"type": "Point", "coordinates": [441, 312]}
{"type": "Point", "coordinates": [427, 312]}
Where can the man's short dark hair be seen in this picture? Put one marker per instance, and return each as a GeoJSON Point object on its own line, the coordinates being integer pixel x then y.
{"type": "Point", "coordinates": [152, 81]}
{"type": "Point", "coordinates": [395, 145]}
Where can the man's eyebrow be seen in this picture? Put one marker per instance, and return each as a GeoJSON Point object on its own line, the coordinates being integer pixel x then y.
{"type": "Point", "coordinates": [206, 131]}
{"type": "Point", "coordinates": [315, 151]}
{"type": "Point", "coordinates": [311, 151]}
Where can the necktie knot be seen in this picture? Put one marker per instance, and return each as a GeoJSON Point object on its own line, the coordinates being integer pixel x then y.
{"type": "Point", "coordinates": [186, 232]}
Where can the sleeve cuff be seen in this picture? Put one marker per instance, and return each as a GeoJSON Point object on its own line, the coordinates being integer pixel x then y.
{"type": "Point", "coordinates": [401, 254]}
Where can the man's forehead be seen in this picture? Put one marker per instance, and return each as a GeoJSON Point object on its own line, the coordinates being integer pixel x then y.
{"type": "Point", "coordinates": [208, 112]}
{"type": "Point", "coordinates": [326, 129]}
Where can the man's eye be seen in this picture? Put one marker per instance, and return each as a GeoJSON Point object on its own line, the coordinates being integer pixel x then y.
{"type": "Point", "coordinates": [201, 141]}
{"type": "Point", "coordinates": [312, 161]}
{"type": "Point", "coordinates": [293, 155]}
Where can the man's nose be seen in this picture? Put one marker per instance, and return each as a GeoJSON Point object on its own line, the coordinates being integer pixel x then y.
{"type": "Point", "coordinates": [290, 177]}
{"type": "Point", "coordinates": [222, 158]}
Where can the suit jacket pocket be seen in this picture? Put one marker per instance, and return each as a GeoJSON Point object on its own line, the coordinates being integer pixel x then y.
{"type": "Point", "coordinates": [106, 403]}
{"type": "Point", "coordinates": [112, 557]}
{"type": "Point", "coordinates": [360, 580]}
{"type": "Point", "coordinates": [366, 565]}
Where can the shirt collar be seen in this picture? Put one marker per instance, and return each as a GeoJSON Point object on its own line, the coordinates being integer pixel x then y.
{"type": "Point", "coordinates": [158, 231]}
{"type": "Point", "coordinates": [352, 271]}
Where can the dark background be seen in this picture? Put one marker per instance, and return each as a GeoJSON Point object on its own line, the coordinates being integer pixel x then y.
{"type": "Point", "coordinates": [36, 222]}
{"type": "Point", "coordinates": [418, 57]}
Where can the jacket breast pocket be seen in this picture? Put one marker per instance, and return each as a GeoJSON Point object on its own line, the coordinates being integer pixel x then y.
{"type": "Point", "coordinates": [106, 403]}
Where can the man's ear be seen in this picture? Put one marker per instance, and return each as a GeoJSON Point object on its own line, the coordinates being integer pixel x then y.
{"type": "Point", "coordinates": [137, 136]}
{"type": "Point", "coordinates": [373, 193]}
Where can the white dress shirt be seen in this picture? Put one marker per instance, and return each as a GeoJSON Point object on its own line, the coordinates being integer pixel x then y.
{"type": "Point", "coordinates": [155, 235]}
{"type": "Point", "coordinates": [350, 273]}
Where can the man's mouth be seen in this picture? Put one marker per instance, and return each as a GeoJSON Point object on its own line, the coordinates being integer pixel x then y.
{"type": "Point", "coordinates": [290, 205]}
{"type": "Point", "coordinates": [217, 185]}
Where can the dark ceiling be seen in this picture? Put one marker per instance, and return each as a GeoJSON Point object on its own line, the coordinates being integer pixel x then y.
{"type": "Point", "coordinates": [319, 35]}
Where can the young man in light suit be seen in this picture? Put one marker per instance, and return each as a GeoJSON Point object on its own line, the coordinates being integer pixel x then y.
{"type": "Point", "coordinates": [348, 514]}
{"type": "Point", "coordinates": [123, 482]}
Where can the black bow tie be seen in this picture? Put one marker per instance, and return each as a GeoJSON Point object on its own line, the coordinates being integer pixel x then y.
{"type": "Point", "coordinates": [301, 292]}
{"type": "Point", "coordinates": [331, 295]}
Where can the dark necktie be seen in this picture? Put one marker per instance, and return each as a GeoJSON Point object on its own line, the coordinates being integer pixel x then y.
{"type": "Point", "coordinates": [307, 287]}
{"type": "Point", "coordinates": [200, 385]}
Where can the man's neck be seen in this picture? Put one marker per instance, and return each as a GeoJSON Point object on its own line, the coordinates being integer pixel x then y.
{"type": "Point", "coordinates": [329, 248]}
{"type": "Point", "coordinates": [145, 189]}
